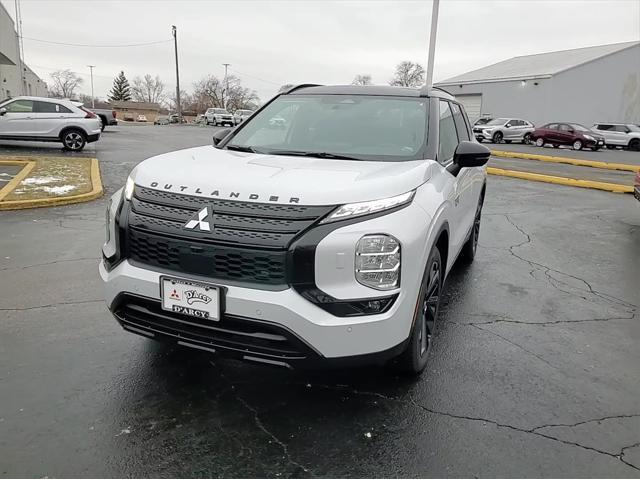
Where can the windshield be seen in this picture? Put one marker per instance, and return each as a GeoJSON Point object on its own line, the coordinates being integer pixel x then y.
{"type": "Point", "coordinates": [375, 128]}
{"type": "Point", "coordinates": [634, 128]}
{"type": "Point", "coordinates": [244, 112]}
{"type": "Point", "coordinates": [579, 127]}
{"type": "Point", "coordinates": [497, 121]}
{"type": "Point", "coordinates": [220, 110]}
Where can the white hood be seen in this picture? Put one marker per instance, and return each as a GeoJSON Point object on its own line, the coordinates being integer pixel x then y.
{"type": "Point", "coordinates": [209, 172]}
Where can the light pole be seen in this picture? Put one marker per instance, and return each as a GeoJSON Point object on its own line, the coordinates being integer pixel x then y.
{"type": "Point", "coordinates": [174, 32]}
{"type": "Point", "coordinates": [226, 82]}
{"type": "Point", "coordinates": [93, 99]}
{"type": "Point", "coordinates": [432, 42]}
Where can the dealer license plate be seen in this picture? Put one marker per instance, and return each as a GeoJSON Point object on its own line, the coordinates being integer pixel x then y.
{"type": "Point", "coordinates": [200, 300]}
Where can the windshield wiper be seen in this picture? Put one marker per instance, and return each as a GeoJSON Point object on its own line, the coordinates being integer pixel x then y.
{"type": "Point", "coordinates": [247, 149]}
{"type": "Point", "coordinates": [314, 154]}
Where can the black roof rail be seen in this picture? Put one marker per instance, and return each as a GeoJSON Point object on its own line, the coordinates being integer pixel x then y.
{"type": "Point", "coordinates": [424, 91]}
{"type": "Point", "coordinates": [297, 87]}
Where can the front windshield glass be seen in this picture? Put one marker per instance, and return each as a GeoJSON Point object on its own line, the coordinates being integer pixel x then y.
{"type": "Point", "coordinates": [579, 127]}
{"type": "Point", "coordinates": [219, 110]}
{"type": "Point", "coordinates": [244, 112]}
{"type": "Point", "coordinates": [497, 121]}
{"type": "Point", "coordinates": [634, 128]}
{"type": "Point", "coordinates": [375, 128]}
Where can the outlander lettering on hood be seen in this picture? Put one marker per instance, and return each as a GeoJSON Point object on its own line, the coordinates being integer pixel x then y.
{"type": "Point", "coordinates": [217, 194]}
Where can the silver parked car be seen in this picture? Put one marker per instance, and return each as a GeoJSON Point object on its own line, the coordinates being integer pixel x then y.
{"type": "Point", "coordinates": [625, 135]}
{"type": "Point", "coordinates": [504, 129]}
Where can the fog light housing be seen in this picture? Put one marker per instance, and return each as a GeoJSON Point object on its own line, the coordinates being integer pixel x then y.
{"type": "Point", "coordinates": [377, 262]}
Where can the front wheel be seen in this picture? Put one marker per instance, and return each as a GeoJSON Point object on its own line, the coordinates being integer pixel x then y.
{"type": "Point", "coordinates": [497, 137]}
{"type": "Point", "coordinates": [540, 142]}
{"type": "Point", "coordinates": [634, 145]}
{"type": "Point", "coordinates": [577, 145]}
{"type": "Point", "coordinates": [73, 140]}
{"type": "Point", "coordinates": [414, 358]}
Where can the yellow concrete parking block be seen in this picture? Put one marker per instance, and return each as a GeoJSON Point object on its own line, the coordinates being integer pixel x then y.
{"type": "Point", "coordinates": [569, 161]}
{"type": "Point", "coordinates": [559, 180]}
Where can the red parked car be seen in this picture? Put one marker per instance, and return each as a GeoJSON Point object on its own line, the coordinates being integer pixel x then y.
{"type": "Point", "coordinates": [573, 134]}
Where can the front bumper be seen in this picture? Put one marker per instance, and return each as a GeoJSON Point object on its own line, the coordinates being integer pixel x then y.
{"type": "Point", "coordinates": [326, 336]}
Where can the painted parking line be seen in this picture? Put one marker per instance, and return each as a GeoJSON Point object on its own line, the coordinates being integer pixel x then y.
{"type": "Point", "coordinates": [569, 161]}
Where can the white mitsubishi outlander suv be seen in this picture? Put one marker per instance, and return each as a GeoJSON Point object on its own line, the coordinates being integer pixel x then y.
{"type": "Point", "coordinates": [326, 241]}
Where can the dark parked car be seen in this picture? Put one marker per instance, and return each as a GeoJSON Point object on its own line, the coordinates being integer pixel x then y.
{"type": "Point", "coordinates": [573, 134]}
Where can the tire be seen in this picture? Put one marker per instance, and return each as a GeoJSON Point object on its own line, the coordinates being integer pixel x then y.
{"type": "Point", "coordinates": [611, 147]}
{"type": "Point", "coordinates": [508, 142]}
{"type": "Point", "coordinates": [480, 140]}
{"type": "Point", "coordinates": [103, 123]}
{"type": "Point", "coordinates": [414, 358]}
{"type": "Point", "coordinates": [577, 145]}
{"type": "Point", "coordinates": [468, 252]}
{"type": "Point", "coordinates": [540, 142]}
{"type": "Point", "coordinates": [595, 148]}
{"type": "Point", "coordinates": [634, 145]}
{"type": "Point", "coordinates": [497, 137]}
{"type": "Point", "coordinates": [215, 122]}
{"type": "Point", "coordinates": [526, 139]}
{"type": "Point", "coordinates": [73, 139]}
{"type": "Point", "coordinates": [555, 145]}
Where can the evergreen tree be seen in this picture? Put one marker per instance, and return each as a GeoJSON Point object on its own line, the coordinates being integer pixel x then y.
{"type": "Point", "coordinates": [121, 90]}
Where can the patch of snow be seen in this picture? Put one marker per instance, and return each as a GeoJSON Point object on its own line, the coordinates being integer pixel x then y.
{"type": "Point", "coordinates": [59, 190]}
{"type": "Point", "coordinates": [40, 180]}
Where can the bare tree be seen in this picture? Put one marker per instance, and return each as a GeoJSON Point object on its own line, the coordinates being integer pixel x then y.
{"type": "Point", "coordinates": [362, 80]}
{"type": "Point", "coordinates": [148, 89]}
{"type": "Point", "coordinates": [210, 92]}
{"type": "Point", "coordinates": [408, 74]}
{"type": "Point", "coordinates": [65, 83]}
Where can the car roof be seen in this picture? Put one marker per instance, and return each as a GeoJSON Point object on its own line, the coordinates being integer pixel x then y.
{"type": "Point", "coordinates": [41, 98]}
{"type": "Point", "coordinates": [368, 90]}
{"type": "Point", "coordinates": [611, 123]}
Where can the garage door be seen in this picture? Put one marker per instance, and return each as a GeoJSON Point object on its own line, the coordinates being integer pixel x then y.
{"type": "Point", "coordinates": [473, 105]}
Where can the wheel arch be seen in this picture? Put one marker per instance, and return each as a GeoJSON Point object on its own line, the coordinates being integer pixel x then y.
{"type": "Point", "coordinates": [442, 243]}
{"type": "Point", "coordinates": [67, 129]}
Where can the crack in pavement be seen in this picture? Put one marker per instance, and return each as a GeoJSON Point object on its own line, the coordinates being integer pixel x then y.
{"type": "Point", "coordinates": [552, 281]}
{"type": "Point", "coordinates": [621, 455]}
{"type": "Point", "coordinates": [477, 326]}
{"type": "Point", "coordinates": [507, 319]}
{"type": "Point", "coordinates": [49, 263]}
{"type": "Point", "coordinates": [258, 422]}
{"type": "Point", "coordinates": [42, 306]}
{"type": "Point", "coordinates": [533, 431]}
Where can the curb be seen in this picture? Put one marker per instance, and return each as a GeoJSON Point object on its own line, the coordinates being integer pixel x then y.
{"type": "Point", "coordinates": [569, 161]}
{"type": "Point", "coordinates": [96, 192]}
{"type": "Point", "coordinates": [560, 180]}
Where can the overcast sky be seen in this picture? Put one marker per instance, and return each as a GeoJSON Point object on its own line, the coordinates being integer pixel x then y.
{"type": "Point", "coordinates": [269, 43]}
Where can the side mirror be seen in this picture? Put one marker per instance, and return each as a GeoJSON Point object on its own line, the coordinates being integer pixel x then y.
{"type": "Point", "coordinates": [219, 135]}
{"type": "Point", "coordinates": [507, 126]}
{"type": "Point", "coordinates": [3, 111]}
{"type": "Point", "coordinates": [469, 154]}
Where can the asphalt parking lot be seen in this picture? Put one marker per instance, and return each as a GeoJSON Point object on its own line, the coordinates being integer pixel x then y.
{"type": "Point", "coordinates": [534, 372]}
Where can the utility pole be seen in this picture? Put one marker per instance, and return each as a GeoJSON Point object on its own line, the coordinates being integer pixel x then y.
{"type": "Point", "coordinates": [93, 98]}
{"type": "Point", "coordinates": [174, 32]}
{"type": "Point", "coordinates": [432, 42]}
{"type": "Point", "coordinates": [20, 46]}
{"type": "Point", "coordinates": [226, 88]}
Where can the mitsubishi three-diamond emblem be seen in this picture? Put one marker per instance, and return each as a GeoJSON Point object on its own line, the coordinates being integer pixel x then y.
{"type": "Point", "coordinates": [200, 222]}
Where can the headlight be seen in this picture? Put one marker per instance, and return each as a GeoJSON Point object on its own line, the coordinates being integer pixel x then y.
{"type": "Point", "coordinates": [128, 189]}
{"type": "Point", "coordinates": [378, 262]}
{"type": "Point", "coordinates": [367, 207]}
{"type": "Point", "coordinates": [589, 137]}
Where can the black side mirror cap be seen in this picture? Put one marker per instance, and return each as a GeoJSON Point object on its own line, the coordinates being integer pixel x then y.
{"type": "Point", "coordinates": [469, 154]}
{"type": "Point", "coordinates": [2, 111]}
{"type": "Point", "coordinates": [220, 135]}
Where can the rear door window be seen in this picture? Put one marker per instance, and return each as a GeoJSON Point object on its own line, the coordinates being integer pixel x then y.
{"type": "Point", "coordinates": [49, 107]}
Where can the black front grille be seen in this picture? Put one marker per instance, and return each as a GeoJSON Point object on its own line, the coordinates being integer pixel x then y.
{"type": "Point", "coordinates": [232, 335]}
{"type": "Point", "coordinates": [247, 241]}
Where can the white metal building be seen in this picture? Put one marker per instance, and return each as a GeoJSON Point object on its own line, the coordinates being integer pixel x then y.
{"type": "Point", "coordinates": [584, 85]}
{"type": "Point", "coordinates": [12, 83]}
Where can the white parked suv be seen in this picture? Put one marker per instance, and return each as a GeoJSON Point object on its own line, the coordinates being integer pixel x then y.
{"type": "Point", "coordinates": [48, 119]}
{"type": "Point", "coordinates": [241, 115]}
{"type": "Point", "coordinates": [325, 242]}
{"type": "Point", "coordinates": [218, 117]}
{"type": "Point", "coordinates": [625, 135]}
{"type": "Point", "coordinates": [504, 129]}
